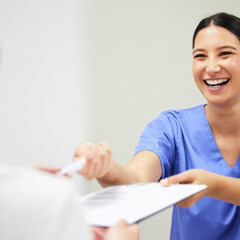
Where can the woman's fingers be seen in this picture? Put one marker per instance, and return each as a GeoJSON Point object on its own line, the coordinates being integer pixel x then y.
{"type": "Point", "coordinates": [192, 176]}
{"type": "Point", "coordinates": [185, 177]}
{"type": "Point", "coordinates": [84, 149]}
{"type": "Point", "coordinates": [105, 158]}
{"type": "Point", "coordinates": [98, 159]}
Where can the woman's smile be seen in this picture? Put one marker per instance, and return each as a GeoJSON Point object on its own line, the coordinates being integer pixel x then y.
{"type": "Point", "coordinates": [216, 84]}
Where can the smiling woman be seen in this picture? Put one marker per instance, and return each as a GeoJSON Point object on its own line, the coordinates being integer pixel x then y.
{"type": "Point", "coordinates": [205, 137]}
{"type": "Point", "coordinates": [217, 75]}
{"type": "Point", "coordinates": [215, 64]}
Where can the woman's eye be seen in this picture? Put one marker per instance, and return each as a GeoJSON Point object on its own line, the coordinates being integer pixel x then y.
{"type": "Point", "coordinates": [225, 53]}
{"type": "Point", "coordinates": [199, 56]}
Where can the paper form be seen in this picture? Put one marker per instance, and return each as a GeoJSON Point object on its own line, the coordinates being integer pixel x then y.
{"type": "Point", "coordinates": [132, 202]}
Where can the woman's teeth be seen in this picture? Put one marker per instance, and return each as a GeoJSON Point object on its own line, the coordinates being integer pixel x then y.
{"type": "Point", "coordinates": [217, 82]}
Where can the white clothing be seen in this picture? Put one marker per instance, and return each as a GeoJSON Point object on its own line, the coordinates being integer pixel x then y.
{"type": "Point", "coordinates": [35, 205]}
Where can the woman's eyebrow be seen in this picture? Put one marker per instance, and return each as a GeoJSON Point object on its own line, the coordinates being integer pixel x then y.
{"type": "Point", "coordinates": [220, 48]}
{"type": "Point", "coordinates": [198, 50]}
{"type": "Point", "coordinates": [227, 46]}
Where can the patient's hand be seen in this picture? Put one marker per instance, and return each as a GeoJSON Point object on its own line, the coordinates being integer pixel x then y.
{"type": "Point", "coordinates": [120, 231]}
{"type": "Point", "coordinates": [123, 231]}
{"type": "Point", "coordinates": [99, 232]}
{"type": "Point", "coordinates": [44, 168]}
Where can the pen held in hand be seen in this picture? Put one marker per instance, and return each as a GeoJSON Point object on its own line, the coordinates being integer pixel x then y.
{"type": "Point", "coordinates": [73, 166]}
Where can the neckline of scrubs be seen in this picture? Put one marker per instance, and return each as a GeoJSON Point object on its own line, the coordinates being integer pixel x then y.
{"type": "Point", "coordinates": [213, 144]}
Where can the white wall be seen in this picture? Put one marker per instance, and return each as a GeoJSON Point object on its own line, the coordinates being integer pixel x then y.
{"type": "Point", "coordinates": [141, 65]}
{"type": "Point", "coordinates": [43, 86]}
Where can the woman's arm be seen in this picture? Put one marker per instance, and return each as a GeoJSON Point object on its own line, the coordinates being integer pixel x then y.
{"type": "Point", "coordinates": [218, 186]}
{"type": "Point", "coordinates": [144, 167]}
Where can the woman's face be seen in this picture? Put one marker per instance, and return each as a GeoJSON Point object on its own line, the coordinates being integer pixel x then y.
{"type": "Point", "coordinates": [216, 65]}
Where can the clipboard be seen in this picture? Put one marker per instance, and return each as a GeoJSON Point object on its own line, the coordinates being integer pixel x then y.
{"type": "Point", "coordinates": [133, 202]}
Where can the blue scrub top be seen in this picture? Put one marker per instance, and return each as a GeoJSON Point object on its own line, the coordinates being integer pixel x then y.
{"type": "Point", "coordinates": [183, 140]}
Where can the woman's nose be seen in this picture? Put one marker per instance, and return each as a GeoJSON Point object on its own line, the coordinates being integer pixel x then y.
{"type": "Point", "coordinates": [212, 67]}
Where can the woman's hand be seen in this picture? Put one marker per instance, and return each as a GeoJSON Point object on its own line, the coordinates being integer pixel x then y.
{"type": "Point", "coordinates": [98, 159]}
{"type": "Point", "coordinates": [194, 176]}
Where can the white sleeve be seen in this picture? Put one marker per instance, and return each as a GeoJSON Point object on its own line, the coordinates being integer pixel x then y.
{"type": "Point", "coordinates": [37, 206]}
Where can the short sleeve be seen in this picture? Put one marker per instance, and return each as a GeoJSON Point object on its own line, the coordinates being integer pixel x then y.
{"type": "Point", "coordinates": [158, 137]}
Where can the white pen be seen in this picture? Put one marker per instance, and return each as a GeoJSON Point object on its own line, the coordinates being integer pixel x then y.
{"type": "Point", "coordinates": [73, 166]}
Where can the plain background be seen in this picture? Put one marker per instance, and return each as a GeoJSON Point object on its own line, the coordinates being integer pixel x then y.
{"type": "Point", "coordinates": [97, 70]}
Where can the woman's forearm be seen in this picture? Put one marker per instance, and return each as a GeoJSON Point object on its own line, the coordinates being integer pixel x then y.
{"type": "Point", "coordinates": [226, 189]}
{"type": "Point", "coordinates": [119, 175]}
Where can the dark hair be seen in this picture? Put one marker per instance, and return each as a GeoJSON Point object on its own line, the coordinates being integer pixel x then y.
{"type": "Point", "coordinates": [225, 20]}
